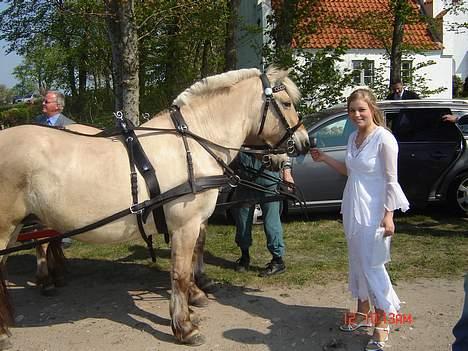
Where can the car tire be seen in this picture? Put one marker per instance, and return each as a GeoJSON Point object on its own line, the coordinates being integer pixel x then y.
{"type": "Point", "coordinates": [458, 195]}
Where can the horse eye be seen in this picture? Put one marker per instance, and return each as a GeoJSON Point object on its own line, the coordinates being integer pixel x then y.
{"type": "Point", "coordinates": [287, 104]}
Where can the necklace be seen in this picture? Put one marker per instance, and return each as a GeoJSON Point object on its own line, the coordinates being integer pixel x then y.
{"type": "Point", "coordinates": [361, 138]}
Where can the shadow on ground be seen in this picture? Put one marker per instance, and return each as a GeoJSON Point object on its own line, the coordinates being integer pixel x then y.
{"type": "Point", "coordinates": [110, 290]}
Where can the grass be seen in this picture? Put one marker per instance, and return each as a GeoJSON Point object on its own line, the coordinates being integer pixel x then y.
{"type": "Point", "coordinates": [431, 245]}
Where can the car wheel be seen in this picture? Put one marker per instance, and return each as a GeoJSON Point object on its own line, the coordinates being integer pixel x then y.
{"type": "Point", "coordinates": [459, 194]}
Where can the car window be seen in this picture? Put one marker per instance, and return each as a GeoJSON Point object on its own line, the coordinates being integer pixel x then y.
{"type": "Point", "coordinates": [463, 121]}
{"type": "Point", "coordinates": [410, 125]}
{"type": "Point", "coordinates": [334, 133]}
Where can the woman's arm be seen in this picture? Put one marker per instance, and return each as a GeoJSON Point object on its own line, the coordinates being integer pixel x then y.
{"type": "Point", "coordinates": [394, 196]}
{"type": "Point", "coordinates": [319, 156]}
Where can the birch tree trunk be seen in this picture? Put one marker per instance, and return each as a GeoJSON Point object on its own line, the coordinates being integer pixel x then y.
{"type": "Point", "coordinates": [122, 31]}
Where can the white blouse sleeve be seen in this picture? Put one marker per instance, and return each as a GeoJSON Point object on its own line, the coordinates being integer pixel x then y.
{"type": "Point", "coordinates": [394, 196]}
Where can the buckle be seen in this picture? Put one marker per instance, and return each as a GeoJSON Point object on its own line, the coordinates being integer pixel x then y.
{"type": "Point", "coordinates": [182, 128]}
{"type": "Point", "coordinates": [268, 91]}
{"type": "Point", "coordinates": [135, 211]}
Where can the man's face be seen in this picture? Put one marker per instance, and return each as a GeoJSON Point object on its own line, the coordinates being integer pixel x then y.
{"type": "Point", "coordinates": [49, 105]}
{"type": "Point", "coordinates": [397, 88]}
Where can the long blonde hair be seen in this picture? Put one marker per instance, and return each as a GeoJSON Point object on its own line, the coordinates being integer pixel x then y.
{"type": "Point", "coordinates": [369, 98]}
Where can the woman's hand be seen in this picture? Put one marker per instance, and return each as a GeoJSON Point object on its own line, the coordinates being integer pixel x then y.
{"type": "Point", "coordinates": [317, 155]}
{"type": "Point", "coordinates": [388, 224]}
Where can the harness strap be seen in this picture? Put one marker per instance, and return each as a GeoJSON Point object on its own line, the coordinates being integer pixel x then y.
{"type": "Point", "coordinates": [138, 158]}
{"type": "Point", "coordinates": [145, 208]}
{"type": "Point", "coordinates": [182, 128]}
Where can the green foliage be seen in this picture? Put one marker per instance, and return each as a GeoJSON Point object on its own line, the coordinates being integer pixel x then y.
{"type": "Point", "coordinates": [66, 46]}
{"type": "Point", "coordinates": [457, 86]}
{"type": "Point", "coordinates": [6, 95]}
{"type": "Point", "coordinates": [319, 79]}
{"type": "Point", "coordinates": [19, 114]}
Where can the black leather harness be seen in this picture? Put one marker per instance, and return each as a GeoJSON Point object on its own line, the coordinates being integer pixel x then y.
{"type": "Point", "coordinates": [139, 160]}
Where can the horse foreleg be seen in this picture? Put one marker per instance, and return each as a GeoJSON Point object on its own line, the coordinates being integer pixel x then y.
{"type": "Point", "coordinates": [183, 243]}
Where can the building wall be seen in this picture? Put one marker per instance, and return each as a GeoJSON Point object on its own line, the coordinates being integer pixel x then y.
{"type": "Point", "coordinates": [456, 43]}
{"type": "Point", "coordinates": [437, 75]}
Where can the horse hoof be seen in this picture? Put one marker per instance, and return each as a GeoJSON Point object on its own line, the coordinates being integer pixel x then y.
{"type": "Point", "coordinates": [195, 340]}
{"type": "Point", "coordinates": [199, 301]}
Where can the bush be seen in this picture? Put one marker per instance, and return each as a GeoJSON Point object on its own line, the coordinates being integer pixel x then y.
{"type": "Point", "coordinates": [457, 87]}
{"type": "Point", "coordinates": [17, 115]}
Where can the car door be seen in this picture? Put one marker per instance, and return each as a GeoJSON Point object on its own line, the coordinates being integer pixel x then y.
{"type": "Point", "coordinates": [427, 148]}
{"type": "Point", "coordinates": [322, 186]}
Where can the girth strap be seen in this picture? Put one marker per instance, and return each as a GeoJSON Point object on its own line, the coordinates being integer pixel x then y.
{"type": "Point", "coordinates": [137, 157]}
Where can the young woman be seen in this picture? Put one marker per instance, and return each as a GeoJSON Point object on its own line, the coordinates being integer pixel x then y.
{"type": "Point", "coordinates": [371, 195]}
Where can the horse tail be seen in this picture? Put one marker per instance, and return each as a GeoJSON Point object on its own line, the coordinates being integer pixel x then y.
{"type": "Point", "coordinates": [6, 309]}
{"type": "Point", "coordinates": [56, 261]}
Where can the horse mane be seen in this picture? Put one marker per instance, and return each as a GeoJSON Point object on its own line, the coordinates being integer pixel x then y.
{"type": "Point", "coordinates": [225, 80]}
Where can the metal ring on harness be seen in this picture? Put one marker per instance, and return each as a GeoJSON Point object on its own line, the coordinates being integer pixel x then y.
{"type": "Point", "coordinates": [234, 180]}
{"type": "Point", "coordinates": [118, 115]}
{"type": "Point", "coordinates": [266, 160]}
{"type": "Point", "coordinates": [290, 145]}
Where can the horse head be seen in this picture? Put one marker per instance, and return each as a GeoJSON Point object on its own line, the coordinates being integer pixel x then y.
{"type": "Point", "coordinates": [279, 124]}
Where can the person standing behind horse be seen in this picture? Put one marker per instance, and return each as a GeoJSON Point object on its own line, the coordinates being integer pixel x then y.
{"type": "Point", "coordinates": [400, 92]}
{"type": "Point", "coordinates": [52, 107]}
{"type": "Point", "coordinates": [250, 168]}
{"type": "Point", "coordinates": [371, 195]}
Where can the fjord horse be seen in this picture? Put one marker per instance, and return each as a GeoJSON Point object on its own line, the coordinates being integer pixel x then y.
{"type": "Point", "coordinates": [69, 181]}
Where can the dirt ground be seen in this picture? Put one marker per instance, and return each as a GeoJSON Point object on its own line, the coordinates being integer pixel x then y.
{"type": "Point", "coordinates": [119, 306]}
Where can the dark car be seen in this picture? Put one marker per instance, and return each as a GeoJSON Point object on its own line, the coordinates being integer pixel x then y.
{"type": "Point", "coordinates": [432, 160]}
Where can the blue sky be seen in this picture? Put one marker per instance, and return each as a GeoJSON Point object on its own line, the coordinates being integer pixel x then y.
{"type": "Point", "coordinates": [7, 62]}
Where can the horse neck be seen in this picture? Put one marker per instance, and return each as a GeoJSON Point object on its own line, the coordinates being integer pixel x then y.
{"type": "Point", "coordinates": [226, 118]}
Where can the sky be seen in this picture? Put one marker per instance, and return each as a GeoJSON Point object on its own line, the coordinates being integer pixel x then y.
{"type": "Point", "coordinates": [7, 62]}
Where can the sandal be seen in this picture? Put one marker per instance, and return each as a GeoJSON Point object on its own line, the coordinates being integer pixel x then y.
{"type": "Point", "coordinates": [376, 345]}
{"type": "Point", "coordinates": [351, 326]}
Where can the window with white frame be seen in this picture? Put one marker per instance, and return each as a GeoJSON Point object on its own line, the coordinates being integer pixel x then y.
{"type": "Point", "coordinates": [406, 71]}
{"type": "Point", "coordinates": [363, 72]}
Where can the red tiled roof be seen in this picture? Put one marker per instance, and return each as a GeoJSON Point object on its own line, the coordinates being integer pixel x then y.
{"type": "Point", "coordinates": [333, 20]}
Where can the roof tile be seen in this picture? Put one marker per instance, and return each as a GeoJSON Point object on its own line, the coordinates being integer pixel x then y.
{"type": "Point", "coordinates": [332, 16]}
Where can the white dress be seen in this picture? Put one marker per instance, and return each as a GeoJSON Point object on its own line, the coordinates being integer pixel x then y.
{"type": "Point", "coordinates": [372, 187]}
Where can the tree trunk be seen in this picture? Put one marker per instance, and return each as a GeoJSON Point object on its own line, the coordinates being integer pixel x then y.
{"type": "Point", "coordinates": [230, 52]}
{"type": "Point", "coordinates": [397, 39]}
{"type": "Point", "coordinates": [285, 23]}
{"type": "Point", "coordinates": [123, 35]}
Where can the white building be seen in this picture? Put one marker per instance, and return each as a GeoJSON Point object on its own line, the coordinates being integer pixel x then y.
{"type": "Point", "coordinates": [449, 57]}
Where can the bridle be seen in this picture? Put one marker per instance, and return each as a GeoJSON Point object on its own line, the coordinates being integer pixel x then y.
{"type": "Point", "coordinates": [270, 99]}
